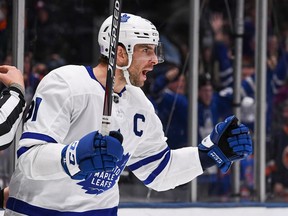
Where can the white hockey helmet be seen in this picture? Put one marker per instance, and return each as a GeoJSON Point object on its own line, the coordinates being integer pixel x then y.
{"type": "Point", "coordinates": [133, 30]}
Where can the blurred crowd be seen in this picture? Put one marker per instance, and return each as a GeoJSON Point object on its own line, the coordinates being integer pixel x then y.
{"type": "Point", "coordinates": [54, 38]}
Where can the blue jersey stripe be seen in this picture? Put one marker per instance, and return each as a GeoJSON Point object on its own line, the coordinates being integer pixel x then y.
{"type": "Point", "coordinates": [22, 150]}
{"type": "Point", "coordinates": [90, 71]}
{"type": "Point", "coordinates": [91, 74]}
{"type": "Point", "coordinates": [148, 160]}
{"type": "Point", "coordinates": [31, 210]}
{"type": "Point", "coordinates": [38, 136]}
{"type": "Point", "coordinates": [158, 170]}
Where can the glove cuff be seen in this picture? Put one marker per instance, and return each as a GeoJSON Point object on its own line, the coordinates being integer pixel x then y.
{"type": "Point", "coordinates": [205, 160]}
{"type": "Point", "coordinates": [215, 156]}
{"type": "Point", "coordinates": [220, 158]}
{"type": "Point", "coordinates": [68, 159]}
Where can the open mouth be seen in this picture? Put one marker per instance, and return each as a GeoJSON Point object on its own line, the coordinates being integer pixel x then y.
{"type": "Point", "coordinates": [144, 73]}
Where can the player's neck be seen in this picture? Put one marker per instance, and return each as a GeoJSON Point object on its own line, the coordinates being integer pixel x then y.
{"type": "Point", "coordinates": [100, 72]}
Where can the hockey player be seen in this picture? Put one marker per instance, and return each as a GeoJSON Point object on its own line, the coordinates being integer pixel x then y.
{"type": "Point", "coordinates": [66, 167]}
{"type": "Point", "coordinates": [12, 105]}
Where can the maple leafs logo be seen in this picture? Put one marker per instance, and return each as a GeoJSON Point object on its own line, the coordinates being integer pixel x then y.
{"type": "Point", "coordinates": [124, 18]}
{"type": "Point", "coordinates": [99, 182]}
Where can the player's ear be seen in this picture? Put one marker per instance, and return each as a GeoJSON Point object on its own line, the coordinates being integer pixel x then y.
{"type": "Point", "coordinates": [122, 57]}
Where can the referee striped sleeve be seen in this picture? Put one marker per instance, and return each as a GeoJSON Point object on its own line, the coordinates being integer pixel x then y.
{"type": "Point", "coordinates": [12, 105]}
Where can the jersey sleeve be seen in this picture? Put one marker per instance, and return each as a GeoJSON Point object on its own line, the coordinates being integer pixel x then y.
{"type": "Point", "coordinates": [47, 124]}
{"type": "Point", "coordinates": [12, 105]}
{"type": "Point", "coordinates": [159, 167]}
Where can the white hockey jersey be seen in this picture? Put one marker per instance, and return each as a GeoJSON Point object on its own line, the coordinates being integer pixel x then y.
{"type": "Point", "coordinates": [67, 105]}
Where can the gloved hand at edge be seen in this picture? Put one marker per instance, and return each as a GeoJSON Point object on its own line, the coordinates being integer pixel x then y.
{"type": "Point", "coordinates": [228, 142]}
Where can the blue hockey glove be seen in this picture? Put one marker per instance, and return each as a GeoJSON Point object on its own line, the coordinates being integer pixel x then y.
{"type": "Point", "coordinates": [93, 153]}
{"type": "Point", "coordinates": [228, 142]}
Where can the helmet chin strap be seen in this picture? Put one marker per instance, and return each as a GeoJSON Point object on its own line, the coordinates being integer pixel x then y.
{"type": "Point", "coordinates": [125, 69]}
{"type": "Point", "coordinates": [127, 76]}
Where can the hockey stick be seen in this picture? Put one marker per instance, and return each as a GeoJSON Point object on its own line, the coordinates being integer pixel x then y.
{"type": "Point", "coordinates": [114, 36]}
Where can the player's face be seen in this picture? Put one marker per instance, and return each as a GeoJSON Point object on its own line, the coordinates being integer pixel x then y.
{"type": "Point", "coordinates": [143, 61]}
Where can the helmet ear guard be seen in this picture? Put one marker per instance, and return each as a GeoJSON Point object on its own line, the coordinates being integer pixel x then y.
{"type": "Point", "coordinates": [133, 30]}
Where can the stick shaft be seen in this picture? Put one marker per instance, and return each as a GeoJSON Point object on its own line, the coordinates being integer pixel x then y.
{"type": "Point", "coordinates": [114, 37]}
